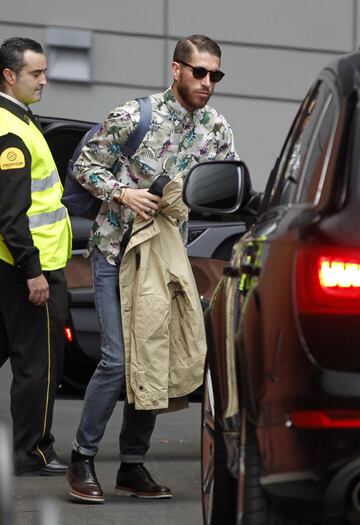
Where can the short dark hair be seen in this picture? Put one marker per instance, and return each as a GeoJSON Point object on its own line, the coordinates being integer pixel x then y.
{"type": "Point", "coordinates": [12, 53]}
{"type": "Point", "coordinates": [185, 47]}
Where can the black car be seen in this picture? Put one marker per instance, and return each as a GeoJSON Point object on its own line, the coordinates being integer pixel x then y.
{"type": "Point", "coordinates": [209, 247]}
{"type": "Point", "coordinates": [281, 406]}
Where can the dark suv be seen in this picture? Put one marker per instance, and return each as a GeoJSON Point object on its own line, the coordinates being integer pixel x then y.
{"type": "Point", "coordinates": [281, 406]}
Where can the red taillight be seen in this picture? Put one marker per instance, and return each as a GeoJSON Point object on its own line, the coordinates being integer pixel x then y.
{"type": "Point", "coordinates": [328, 280]}
{"type": "Point", "coordinates": [68, 334]}
{"type": "Point", "coordinates": [326, 418]}
{"type": "Point", "coordinates": [339, 276]}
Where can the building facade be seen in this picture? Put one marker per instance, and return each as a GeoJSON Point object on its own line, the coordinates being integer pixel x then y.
{"type": "Point", "coordinates": [117, 50]}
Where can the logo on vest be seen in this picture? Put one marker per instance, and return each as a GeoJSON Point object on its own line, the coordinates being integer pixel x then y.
{"type": "Point", "coordinates": [11, 159]}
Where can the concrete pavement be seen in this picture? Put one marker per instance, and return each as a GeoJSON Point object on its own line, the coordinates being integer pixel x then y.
{"type": "Point", "coordinates": [174, 460]}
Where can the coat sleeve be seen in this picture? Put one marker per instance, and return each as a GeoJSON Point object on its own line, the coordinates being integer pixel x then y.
{"type": "Point", "coordinates": [15, 200]}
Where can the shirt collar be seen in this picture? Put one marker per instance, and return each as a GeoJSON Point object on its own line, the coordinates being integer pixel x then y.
{"type": "Point", "coordinates": [177, 111]}
{"type": "Point", "coordinates": [13, 105]}
{"type": "Point", "coordinates": [15, 100]}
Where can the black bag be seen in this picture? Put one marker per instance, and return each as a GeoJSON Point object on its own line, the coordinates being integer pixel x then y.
{"type": "Point", "coordinates": [78, 200]}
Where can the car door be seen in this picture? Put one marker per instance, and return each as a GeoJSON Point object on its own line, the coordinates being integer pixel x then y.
{"type": "Point", "coordinates": [63, 136]}
{"type": "Point", "coordinates": [235, 314]}
{"type": "Point", "coordinates": [82, 346]}
{"type": "Point", "coordinates": [265, 259]}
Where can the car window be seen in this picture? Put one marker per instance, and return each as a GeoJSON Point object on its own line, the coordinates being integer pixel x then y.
{"type": "Point", "coordinates": [300, 167]}
{"type": "Point", "coordinates": [277, 176]}
{"type": "Point", "coordinates": [323, 124]}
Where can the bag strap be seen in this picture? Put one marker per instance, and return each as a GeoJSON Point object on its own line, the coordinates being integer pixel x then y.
{"type": "Point", "coordinates": [129, 147]}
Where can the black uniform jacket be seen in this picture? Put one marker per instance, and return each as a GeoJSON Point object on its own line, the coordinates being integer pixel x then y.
{"type": "Point", "coordinates": [15, 200]}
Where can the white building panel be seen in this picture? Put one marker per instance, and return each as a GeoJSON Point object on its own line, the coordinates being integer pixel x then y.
{"type": "Point", "coordinates": [319, 24]}
{"type": "Point", "coordinates": [135, 16]}
{"type": "Point", "coordinates": [128, 60]}
{"type": "Point", "coordinates": [272, 51]}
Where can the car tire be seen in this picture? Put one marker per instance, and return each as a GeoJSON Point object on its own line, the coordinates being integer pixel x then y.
{"type": "Point", "coordinates": [258, 510]}
{"type": "Point", "coordinates": [218, 486]}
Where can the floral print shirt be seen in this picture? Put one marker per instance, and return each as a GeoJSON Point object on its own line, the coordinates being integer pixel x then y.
{"type": "Point", "coordinates": [176, 140]}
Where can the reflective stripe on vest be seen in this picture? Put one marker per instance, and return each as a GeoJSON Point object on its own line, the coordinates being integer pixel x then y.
{"type": "Point", "coordinates": [50, 217]}
{"type": "Point", "coordinates": [45, 184]}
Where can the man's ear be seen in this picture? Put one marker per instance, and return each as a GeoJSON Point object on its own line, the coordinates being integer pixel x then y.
{"type": "Point", "coordinates": [9, 76]}
{"type": "Point", "coordinates": [175, 70]}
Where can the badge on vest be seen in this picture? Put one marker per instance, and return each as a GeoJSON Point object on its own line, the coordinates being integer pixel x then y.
{"type": "Point", "coordinates": [11, 159]}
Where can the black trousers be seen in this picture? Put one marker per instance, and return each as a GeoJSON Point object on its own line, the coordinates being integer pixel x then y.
{"type": "Point", "coordinates": [33, 338]}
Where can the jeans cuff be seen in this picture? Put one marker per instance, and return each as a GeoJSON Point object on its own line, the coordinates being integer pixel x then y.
{"type": "Point", "coordinates": [82, 450]}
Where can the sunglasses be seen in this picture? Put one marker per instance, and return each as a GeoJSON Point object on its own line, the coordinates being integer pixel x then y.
{"type": "Point", "coordinates": [200, 72]}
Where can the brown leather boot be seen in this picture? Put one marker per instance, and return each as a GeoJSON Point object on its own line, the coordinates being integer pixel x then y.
{"type": "Point", "coordinates": [83, 481]}
{"type": "Point", "coordinates": [138, 482]}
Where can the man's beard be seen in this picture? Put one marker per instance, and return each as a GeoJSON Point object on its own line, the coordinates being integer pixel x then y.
{"type": "Point", "coordinates": [189, 99]}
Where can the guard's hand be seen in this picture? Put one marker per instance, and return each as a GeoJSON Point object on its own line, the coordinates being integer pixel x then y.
{"type": "Point", "coordinates": [141, 201]}
{"type": "Point", "coordinates": [38, 290]}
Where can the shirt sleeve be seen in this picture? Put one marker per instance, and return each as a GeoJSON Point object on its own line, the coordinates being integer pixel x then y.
{"type": "Point", "coordinates": [231, 153]}
{"type": "Point", "coordinates": [227, 149]}
{"type": "Point", "coordinates": [15, 200]}
{"type": "Point", "coordinates": [92, 169]}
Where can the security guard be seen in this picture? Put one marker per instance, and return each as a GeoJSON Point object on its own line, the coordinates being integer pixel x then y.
{"type": "Point", "coordinates": [35, 244]}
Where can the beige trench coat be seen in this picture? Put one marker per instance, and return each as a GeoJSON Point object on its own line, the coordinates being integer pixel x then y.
{"type": "Point", "coordinates": [162, 317]}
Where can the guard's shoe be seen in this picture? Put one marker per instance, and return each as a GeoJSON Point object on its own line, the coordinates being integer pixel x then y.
{"type": "Point", "coordinates": [83, 481]}
{"type": "Point", "coordinates": [138, 482]}
{"type": "Point", "coordinates": [53, 467]}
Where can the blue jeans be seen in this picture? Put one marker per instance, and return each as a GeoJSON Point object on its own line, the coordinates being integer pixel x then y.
{"type": "Point", "coordinates": [105, 386]}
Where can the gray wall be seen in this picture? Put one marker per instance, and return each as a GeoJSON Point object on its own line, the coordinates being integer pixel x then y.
{"type": "Point", "coordinates": [272, 50]}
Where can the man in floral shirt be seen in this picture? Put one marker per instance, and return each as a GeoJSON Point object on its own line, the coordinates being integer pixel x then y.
{"type": "Point", "coordinates": [184, 130]}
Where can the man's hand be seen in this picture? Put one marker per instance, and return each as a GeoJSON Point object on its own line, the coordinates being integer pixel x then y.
{"type": "Point", "coordinates": [141, 201]}
{"type": "Point", "coordinates": [38, 290]}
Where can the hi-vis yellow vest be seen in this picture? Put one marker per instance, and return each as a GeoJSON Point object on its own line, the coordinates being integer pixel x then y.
{"type": "Point", "coordinates": [48, 218]}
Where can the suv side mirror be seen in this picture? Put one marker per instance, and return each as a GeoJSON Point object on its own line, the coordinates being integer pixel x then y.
{"type": "Point", "coordinates": [217, 187]}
